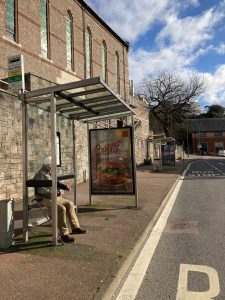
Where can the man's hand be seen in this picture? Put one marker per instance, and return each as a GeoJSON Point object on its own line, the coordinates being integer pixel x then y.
{"type": "Point", "coordinates": [60, 193]}
{"type": "Point", "coordinates": [68, 188]}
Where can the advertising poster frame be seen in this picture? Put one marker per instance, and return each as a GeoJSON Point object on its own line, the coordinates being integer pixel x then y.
{"type": "Point", "coordinates": [168, 154]}
{"type": "Point", "coordinates": [116, 151]}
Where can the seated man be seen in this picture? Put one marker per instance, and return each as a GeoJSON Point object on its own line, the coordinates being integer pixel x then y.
{"type": "Point", "coordinates": [65, 207]}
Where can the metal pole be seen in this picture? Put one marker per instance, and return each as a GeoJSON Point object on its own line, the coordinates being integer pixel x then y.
{"type": "Point", "coordinates": [74, 168]}
{"type": "Point", "coordinates": [160, 154]}
{"type": "Point", "coordinates": [89, 164]}
{"type": "Point", "coordinates": [134, 165]}
{"type": "Point", "coordinates": [187, 139]}
{"type": "Point", "coordinates": [183, 153]}
{"type": "Point", "coordinates": [25, 166]}
{"type": "Point", "coordinates": [54, 173]}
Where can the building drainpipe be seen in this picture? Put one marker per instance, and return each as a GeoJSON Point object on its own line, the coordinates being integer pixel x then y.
{"type": "Point", "coordinates": [84, 31]}
{"type": "Point", "coordinates": [124, 74]}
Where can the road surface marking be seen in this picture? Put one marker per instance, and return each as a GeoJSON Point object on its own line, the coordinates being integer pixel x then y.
{"type": "Point", "coordinates": [136, 276]}
{"type": "Point", "coordinates": [184, 294]}
{"type": "Point", "coordinates": [211, 165]}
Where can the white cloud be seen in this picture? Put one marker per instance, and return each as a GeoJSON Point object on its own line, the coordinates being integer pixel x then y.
{"type": "Point", "coordinates": [189, 32]}
{"type": "Point", "coordinates": [130, 18]}
{"type": "Point", "coordinates": [143, 62]}
{"type": "Point", "coordinates": [179, 44]}
{"type": "Point", "coordinates": [215, 93]}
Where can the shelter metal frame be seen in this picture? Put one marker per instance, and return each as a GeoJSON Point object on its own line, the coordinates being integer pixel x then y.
{"type": "Point", "coordinates": [86, 100]}
{"type": "Point", "coordinates": [157, 143]}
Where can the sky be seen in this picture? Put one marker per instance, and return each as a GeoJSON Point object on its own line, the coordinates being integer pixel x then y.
{"type": "Point", "coordinates": [181, 36]}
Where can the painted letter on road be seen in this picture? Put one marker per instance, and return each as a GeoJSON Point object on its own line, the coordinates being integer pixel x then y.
{"type": "Point", "coordinates": [184, 294]}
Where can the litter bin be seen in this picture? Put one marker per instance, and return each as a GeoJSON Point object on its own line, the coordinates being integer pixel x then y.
{"type": "Point", "coordinates": [6, 223]}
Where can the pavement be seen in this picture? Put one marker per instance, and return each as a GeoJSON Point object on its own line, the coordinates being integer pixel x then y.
{"type": "Point", "coordinates": [94, 267]}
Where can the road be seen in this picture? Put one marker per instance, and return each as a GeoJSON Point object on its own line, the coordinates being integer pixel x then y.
{"type": "Point", "coordinates": [185, 253]}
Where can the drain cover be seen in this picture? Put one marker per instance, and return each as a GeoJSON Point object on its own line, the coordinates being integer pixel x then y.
{"type": "Point", "coordinates": [190, 227]}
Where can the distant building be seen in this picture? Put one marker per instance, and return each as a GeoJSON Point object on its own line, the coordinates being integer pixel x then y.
{"type": "Point", "coordinates": [208, 135]}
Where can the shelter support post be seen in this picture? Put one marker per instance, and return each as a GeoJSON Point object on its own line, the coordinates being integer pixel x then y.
{"type": "Point", "coordinates": [54, 173]}
{"type": "Point", "coordinates": [25, 166]}
{"type": "Point", "coordinates": [89, 164]}
{"type": "Point", "coordinates": [134, 164]}
{"type": "Point", "coordinates": [74, 167]}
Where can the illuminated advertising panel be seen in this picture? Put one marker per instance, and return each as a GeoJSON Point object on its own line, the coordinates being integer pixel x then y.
{"type": "Point", "coordinates": [111, 159]}
{"type": "Point", "coordinates": [168, 155]}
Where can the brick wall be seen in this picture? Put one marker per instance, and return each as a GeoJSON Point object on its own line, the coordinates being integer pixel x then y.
{"type": "Point", "coordinates": [55, 68]}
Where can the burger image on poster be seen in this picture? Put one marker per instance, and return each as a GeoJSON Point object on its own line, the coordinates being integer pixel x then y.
{"type": "Point", "coordinates": [112, 172]}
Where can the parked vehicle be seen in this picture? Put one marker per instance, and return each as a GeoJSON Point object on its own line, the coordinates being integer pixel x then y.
{"type": "Point", "coordinates": [221, 153]}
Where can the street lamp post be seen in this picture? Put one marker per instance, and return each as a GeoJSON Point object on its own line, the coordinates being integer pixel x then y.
{"type": "Point", "coordinates": [199, 146]}
{"type": "Point", "coordinates": [187, 138]}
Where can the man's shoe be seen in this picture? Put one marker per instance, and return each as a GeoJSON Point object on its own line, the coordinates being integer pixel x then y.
{"type": "Point", "coordinates": [79, 230]}
{"type": "Point", "coordinates": [67, 239]}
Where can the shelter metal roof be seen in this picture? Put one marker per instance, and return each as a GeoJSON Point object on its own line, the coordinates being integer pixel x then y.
{"type": "Point", "coordinates": [164, 140]}
{"type": "Point", "coordinates": [86, 100]}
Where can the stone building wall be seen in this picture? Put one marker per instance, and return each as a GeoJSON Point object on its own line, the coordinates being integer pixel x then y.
{"type": "Point", "coordinates": [10, 147]}
{"type": "Point", "coordinates": [141, 129]}
{"type": "Point", "coordinates": [39, 145]}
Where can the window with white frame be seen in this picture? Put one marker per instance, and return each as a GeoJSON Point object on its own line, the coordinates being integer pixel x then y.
{"type": "Point", "coordinates": [218, 146]}
{"type": "Point", "coordinates": [218, 133]}
{"type": "Point", "coordinates": [58, 149]}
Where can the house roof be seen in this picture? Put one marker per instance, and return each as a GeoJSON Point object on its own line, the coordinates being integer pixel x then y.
{"type": "Point", "coordinates": [210, 124]}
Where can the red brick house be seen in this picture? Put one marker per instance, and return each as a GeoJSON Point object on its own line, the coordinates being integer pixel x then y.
{"type": "Point", "coordinates": [208, 135]}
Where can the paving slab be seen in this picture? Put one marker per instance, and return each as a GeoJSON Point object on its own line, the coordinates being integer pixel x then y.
{"type": "Point", "coordinates": [87, 270]}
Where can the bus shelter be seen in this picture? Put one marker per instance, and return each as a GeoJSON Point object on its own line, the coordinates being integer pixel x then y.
{"type": "Point", "coordinates": [163, 152]}
{"type": "Point", "coordinates": [89, 101]}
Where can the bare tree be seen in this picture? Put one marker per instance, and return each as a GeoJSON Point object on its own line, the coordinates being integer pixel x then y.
{"type": "Point", "coordinates": [170, 96]}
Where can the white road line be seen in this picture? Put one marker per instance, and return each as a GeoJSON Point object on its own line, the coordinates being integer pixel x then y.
{"type": "Point", "coordinates": [211, 165]}
{"type": "Point", "coordinates": [135, 278]}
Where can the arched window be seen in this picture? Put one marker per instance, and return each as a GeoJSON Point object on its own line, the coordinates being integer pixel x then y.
{"type": "Point", "coordinates": [117, 66]}
{"type": "Point", "coordinates": [104, 61]}
{"type": "Point", "coordinates": [11, 19]}
{"type": "Point", "coordinates": [88, 45]}
{"type": "Point", "coordinates": [44, 20]}
{"type": "Point", "coordinates": [69, 40]}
